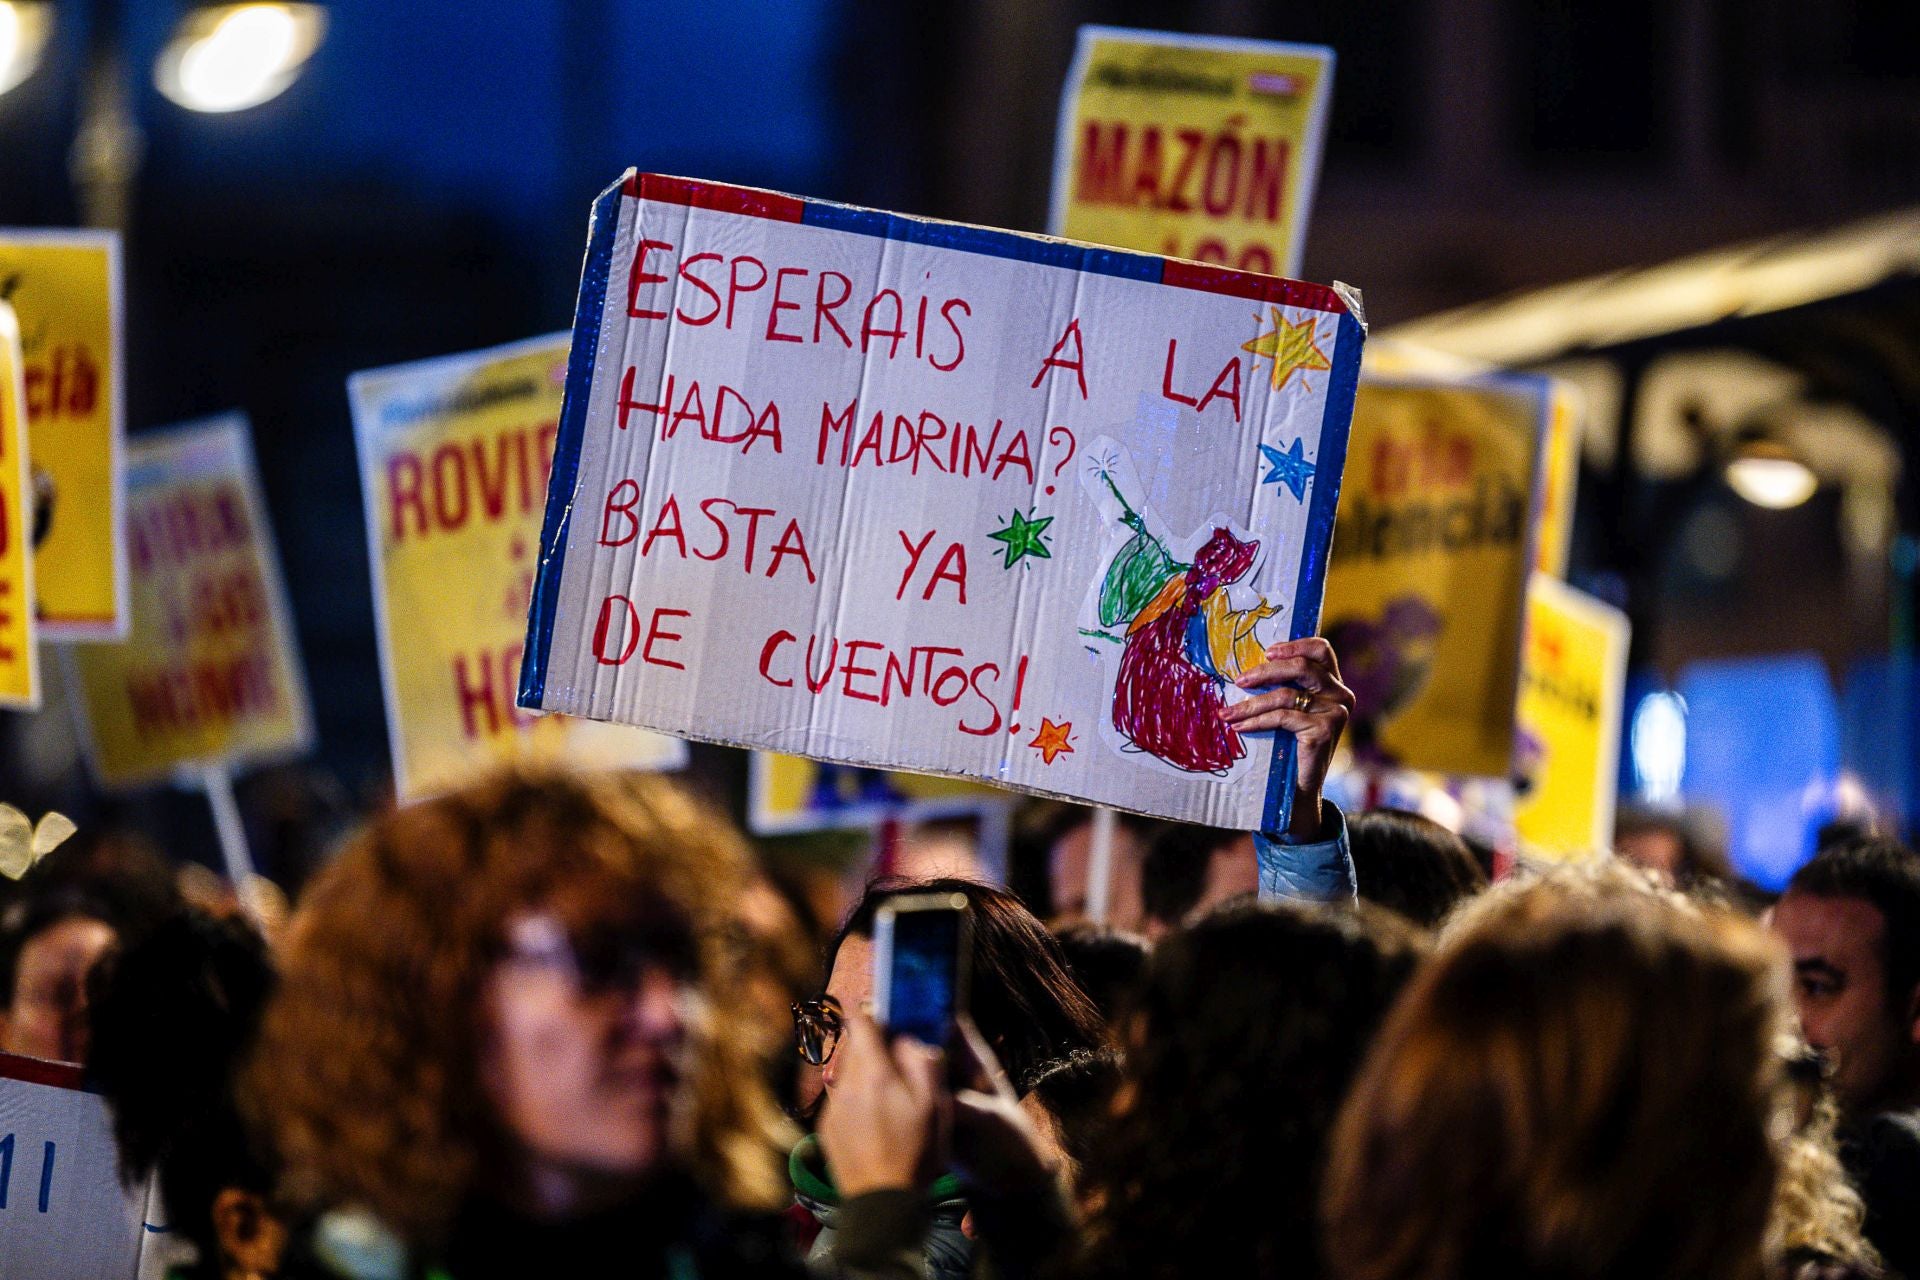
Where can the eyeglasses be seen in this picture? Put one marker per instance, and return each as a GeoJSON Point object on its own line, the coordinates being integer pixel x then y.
{"type": "Point", "coordinates": [600, 961]}
{"type": "Point", "coordinates": [816, 1029]}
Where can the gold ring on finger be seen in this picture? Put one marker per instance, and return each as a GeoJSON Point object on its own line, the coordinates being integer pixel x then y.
{"type": "Point", "coordinates": [1302, 699]}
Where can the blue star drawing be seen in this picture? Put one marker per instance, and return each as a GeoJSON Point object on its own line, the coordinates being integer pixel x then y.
{"type": "Point", "coordinates": [1290, 468]}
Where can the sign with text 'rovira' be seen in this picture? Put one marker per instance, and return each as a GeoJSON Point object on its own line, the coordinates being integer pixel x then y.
{"type": "Point", "coordinates": [19, 646]}
{"type": "Point", "coordinates": [453, 459]}
{"type": "Point", "coordinates": [923, 496]}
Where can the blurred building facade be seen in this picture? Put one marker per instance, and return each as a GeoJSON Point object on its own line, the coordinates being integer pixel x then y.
{"type": "Point", "coordinates": [1477, 146]}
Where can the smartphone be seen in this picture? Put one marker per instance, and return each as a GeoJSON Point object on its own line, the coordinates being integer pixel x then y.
{"type": "Point", "coordinates": [920, 943]}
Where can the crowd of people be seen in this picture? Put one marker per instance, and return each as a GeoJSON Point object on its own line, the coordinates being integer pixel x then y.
{"type": "Point", "coordinates": [552, 1022]}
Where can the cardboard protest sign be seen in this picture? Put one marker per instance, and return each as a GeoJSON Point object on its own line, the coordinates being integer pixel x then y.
{"type": "Point", "coordinates": [790, 794]}
{"type": "Point", "coordinates": [1191, 146]}
{"type": "Point", "coordinates": [209, 675]}
{"type": "Point", "coordinates": [923, 496]}
{"type": "Point", "coordinates": [1559, 477]}
{"type": "Point", "coordinates": [1572, 687]}
{"type": "Point", "coordinates": [65, 288]}
{"type": "Point", "coordinates": [454, 455]}
{"type": "Point", "coordinates": [1429, 573]}
{"type": "Point", "coordinates": [1559, 482]}
{"type": "Point", "coordinates": [64, 1214]}
{"type": "Point", "coordinates": [19, 653]}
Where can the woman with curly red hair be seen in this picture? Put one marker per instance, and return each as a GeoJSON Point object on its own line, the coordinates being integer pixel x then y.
{"type": "Point", "coordinates": [506, 1043]}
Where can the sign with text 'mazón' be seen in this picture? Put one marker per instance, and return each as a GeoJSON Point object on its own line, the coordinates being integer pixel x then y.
{"type": "Point", "coordinates": [924, 496]}
{"type": "Point", "coordinates": [1193, 146]}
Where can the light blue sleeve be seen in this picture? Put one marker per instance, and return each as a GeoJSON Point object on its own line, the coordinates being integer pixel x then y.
{"type": "Point", "coordinates": [1317, 872]}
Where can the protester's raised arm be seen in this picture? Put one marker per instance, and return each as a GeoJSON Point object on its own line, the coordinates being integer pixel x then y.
{"type": "Point", "coordinates": [1319, 871]}
{"type": "Point", "coordinates": [1302, 694]}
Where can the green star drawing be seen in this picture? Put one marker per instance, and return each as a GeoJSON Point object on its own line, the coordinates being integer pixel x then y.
{"type": "Point", "coordinates": [1024, 537]}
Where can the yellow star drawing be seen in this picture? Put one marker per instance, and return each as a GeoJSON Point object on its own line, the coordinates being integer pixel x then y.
{"type": "Point", "coordinates": [1290, 346]}
{"type": "Point", "coordinates": [1052, 739]}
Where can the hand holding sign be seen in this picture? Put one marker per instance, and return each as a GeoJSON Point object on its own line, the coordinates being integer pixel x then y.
{"type": "Point", "coordinates": [1313, 705]}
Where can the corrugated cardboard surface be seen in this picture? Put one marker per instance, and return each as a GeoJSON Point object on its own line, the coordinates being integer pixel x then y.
{"type": "Point", "coordinates": [711, 611]}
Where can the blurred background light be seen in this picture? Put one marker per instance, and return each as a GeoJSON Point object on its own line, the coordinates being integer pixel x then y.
{"type": "Point", "coordinates": [1658, 744]}
{"type": "Point", "coordinates": [233, 56]}
{"type": "Point", "coordinates": [1437, 806]}
{"type": "Point", "coordinates": [1763, 749]}
{"type": "Point", "coordinates": [1766, 475]}
{"type": "Point", "coordinates": [23, 37]}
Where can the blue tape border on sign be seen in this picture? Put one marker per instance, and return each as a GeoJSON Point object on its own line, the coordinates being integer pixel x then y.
{"type": "Point", "coordinates": [1330, 460]}
{"type": "Point", "coordinates": [594, 277]}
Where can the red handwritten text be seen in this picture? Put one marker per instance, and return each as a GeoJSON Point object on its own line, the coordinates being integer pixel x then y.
{"type": "Point", "coordinates": [488, 478]}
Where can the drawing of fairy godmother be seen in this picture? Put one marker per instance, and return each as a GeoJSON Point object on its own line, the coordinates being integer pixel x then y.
{"type": "Point", "coordinates": [1183, 641]}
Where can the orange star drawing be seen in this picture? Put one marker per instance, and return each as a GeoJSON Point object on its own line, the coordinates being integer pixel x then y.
{"type": "Point", "coordinates": [1052, 739]}
{"type": "Point", "coordinates": [1291, 348]}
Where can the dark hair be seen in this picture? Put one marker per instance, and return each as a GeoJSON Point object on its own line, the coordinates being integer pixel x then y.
{"type": "Point", "coordinates": [1886, 874]}
{"type": "Point", "coordinates": [1105, 962]}
{"type": "Point", "coordinates": [116, 868]}
{"type": "Point", "coordinates": [28, 917]}
{"type": "Point", "coordinates": [1174, 874]}
{"type": "Point", "coordinates": [172, 1017]}
{"type": "Point", "coordinates": [1077, 1092]}
{"type": "Point", "coordinates": [1022, 997]}
{"type": "Point", "coordinates": [1037, 825]}
{"type": "Point", "coordinates": [1412, 864]}
{"type": "Point", "coordinates": [1701, 858]}
{"type": "Point", "coordinates": [1248, 1026]}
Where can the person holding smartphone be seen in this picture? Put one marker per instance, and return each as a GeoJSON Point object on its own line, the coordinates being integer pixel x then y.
{"type": "Point", "coordinates": [997, 963]}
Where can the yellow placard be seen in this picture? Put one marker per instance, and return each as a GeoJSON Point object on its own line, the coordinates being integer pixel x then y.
{"type": "Point", "coordinates": [1430, 558]}
{"type": "Point", "coordinates": [454, 458]}
{"type": "Point", "coordinates": [1191, 147]}
{"type": "Point", "coordinates": [1559, 482]}
{"type": "Point", "coordinates": [19, 654]}
{"type": "Point", "coordinates": [209, 676]}
{"type": "Point", "coordinates": [789, 794]}
{"type": "Point", "coordinates": [1571, 694]}
{"type": "Point", "coordinates": [65, 288]}
{"type": "Point", "coordinates": [1560, 469]}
